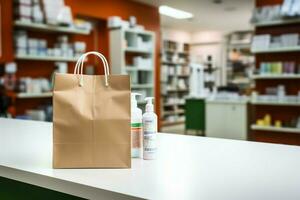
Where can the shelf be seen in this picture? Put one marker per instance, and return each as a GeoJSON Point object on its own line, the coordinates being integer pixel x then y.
{"type": "Point", "coordinates": [165, 123]}
{"type": "Point", "coordinates": [183, 75]}
{"type": "Point", "coordinates": [240, 81]}
{"type": "Point", "coordinates": [173, 104]}
{"type": "Point", "coordinates": [277, 22]}
{"type": "Point", "coordinates": [45, 58]}
{"type": "Point", "coordinates": [131, 68]}
{"type": "Point", "coordinates": [176, 52]}
{"type": "Point", "coordinates": [137, 50]}
{"type": "Point", "coordinates": [178, 90]}
{"type": "Point", "coordinates": [33, 95]}
{"type": "Point", "coordinates": [275, 129]}
{"type": "Point", "coordinates": [239, 46]}
{"type": "Point", "coordinates": [173, 63]}
{"type": "Point", "coordinates": [173, 112]}
{"type": "Point", "coordinates": [278, 50]}
{"type": "Point", "coordinates": [50, 28]}
{"type": "Point", "coordinates": [283, 76]}
{"type": "Point", "coordinates": [272, 103]}
{"type": "Point", "coordinates": [137, 86]}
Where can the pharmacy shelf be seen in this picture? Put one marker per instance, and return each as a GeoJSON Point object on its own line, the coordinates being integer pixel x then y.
{"type": "Point", "coordinates": [177, 90]}
{"type": "Point", "coordinates": [275, 129]}
{"type": "Point", "coordinates": [173, 63]}
{"type": "Point", "coordinates": [46, 58]}
{"type": "Point", "coordinates": [283, 76]}
{"type": "Point", "coordinates": [50, 28]}
{"type": "Point", "coordinates": [131, 68]}
{"type": "Point", "coordinates": [137, 86]}
{"type": "Point", "coordinates": [272, 103]}
{"type": "Point", "coordinates": [173, 104]}
{"type": "Point", "coordinates": [182, 75]}
{"type": "Point", "coordinates": [277, 50]}
{"type": "Point", "coordinates": [277, 22]}
{"type": "Point", "coordinates": [166, 123]}
{"type": "Point", "coordinates": [176, 52]}
{"type": "Point", "coordinates": [173, 112]}
{"type": "Point", "coordinates": [33, 95]}
{"type": "Point", "coordinates": [137, 50]}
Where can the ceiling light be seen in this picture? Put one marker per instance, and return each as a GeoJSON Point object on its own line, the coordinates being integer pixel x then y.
{"type": "Point", "coordinates": [175, 13]}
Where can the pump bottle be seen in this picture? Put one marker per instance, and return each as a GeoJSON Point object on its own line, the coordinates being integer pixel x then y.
{"type": "Point", "coordinates": [149, 131]}
{"type": "Point", "coordinates": [136, 128]}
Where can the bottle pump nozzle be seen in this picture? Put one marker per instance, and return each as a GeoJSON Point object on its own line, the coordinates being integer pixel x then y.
{"type": "Point", "coordinates": [133, 99]}
{"type": "Point", "coordinates": [149, 105]}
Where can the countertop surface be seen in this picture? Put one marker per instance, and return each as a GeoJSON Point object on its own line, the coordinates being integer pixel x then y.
{"type": "Point", "coordinates": [187, 167]}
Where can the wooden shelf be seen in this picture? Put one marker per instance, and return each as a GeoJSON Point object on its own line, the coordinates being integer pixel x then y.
{"type": "Point", "coordinates": [283, 76]}
{"type": "Point", "coordinates": [272, 103]}
{"type": "Point", "coordinates": [45, 58]}
{"type": "Point", "coordinates": [275, 129]}
{"type": "Point", "coordinates": [278, 50]}
{"type": "Point", "coordinates": [50, 28]}
{"type": "Point", "coordinates": [277, 22]}
{"type": "Point", "coordinates": [33, 95]}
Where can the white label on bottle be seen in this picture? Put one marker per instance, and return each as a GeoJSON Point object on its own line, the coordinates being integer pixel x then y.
{"type": "Point", "coordinates": [150, 137]}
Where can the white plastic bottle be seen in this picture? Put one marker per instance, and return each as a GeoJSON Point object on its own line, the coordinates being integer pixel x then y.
{"type": "Point", "coordinates": [149, 131]}
{"type": "Point", "coordinates": [136, 128]}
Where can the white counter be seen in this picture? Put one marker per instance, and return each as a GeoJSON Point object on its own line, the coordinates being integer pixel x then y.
{"type": "Point", "coordinates": [187, 167]}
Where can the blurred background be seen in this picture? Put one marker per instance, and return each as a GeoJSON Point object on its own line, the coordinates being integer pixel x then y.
{"type": "Point", "coordinates": [217, 68]}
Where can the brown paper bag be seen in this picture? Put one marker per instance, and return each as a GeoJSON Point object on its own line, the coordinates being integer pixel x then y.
{"type": "Point", "coordinates": [91, 119]}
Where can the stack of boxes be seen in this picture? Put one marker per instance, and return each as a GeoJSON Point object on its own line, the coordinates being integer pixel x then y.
{"type": "Point", "coordinates": [38, 47]}
{"type": "Point", "coordinates": [28, 11]}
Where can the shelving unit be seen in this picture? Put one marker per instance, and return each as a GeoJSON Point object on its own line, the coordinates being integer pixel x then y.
{"type": "Point", "coordinates": [174, 81]}
{"type": "Point", "coordinates": [240, 61]}
{"type": "Point", "coordinates": [287, 112]}
{"type": "Point", "coordinates": [50, 28]}
{"type": "Point", "coordinates": [45, 58]}
{"type": "Point", "coordinates": [136, 58]}
{"type": "Point", "coordinates": [37, 65]}
{"type": "Point", "coordinates": [275, 129]}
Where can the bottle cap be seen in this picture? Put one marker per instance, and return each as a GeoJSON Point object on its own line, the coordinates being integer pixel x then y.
{"type": "Point", "coordinates": [133, 99]}
{"type": "Point", "coordinates": [149, 105]}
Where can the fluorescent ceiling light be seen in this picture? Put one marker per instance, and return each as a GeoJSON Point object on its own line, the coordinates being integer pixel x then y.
{"type": "Point", "coordinates": [175, 13]}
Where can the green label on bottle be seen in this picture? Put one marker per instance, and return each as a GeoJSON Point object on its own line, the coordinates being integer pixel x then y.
{"type": "Point", "coordinates": [136, 125]}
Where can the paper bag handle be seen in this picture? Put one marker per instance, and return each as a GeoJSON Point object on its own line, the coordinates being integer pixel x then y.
{"type": "Point", "coordinates": [79, 66]}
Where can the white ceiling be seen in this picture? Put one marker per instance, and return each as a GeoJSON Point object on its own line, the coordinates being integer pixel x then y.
{"type": "Point", "coordinates": [230, 15]}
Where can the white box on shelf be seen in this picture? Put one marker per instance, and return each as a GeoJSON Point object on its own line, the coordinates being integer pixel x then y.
{"type": "Point", "coordinates": [23, 10]}
{"type": "Point", "coordinates": [24, 2]}
{"type": "Point", "coordinates": [114, 22]}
